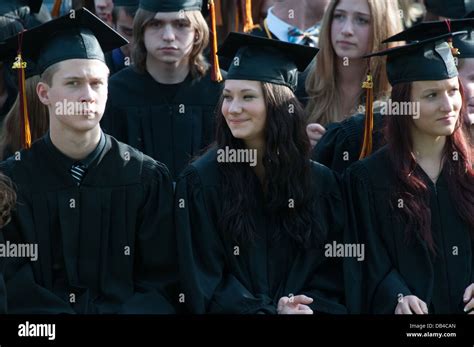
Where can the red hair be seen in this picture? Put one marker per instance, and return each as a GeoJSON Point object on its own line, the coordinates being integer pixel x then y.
{"type": "Point", "coordinates": [412, 188]}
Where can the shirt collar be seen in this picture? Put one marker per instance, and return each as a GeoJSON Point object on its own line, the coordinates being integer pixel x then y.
{"type": "Point", "coordinates": [69, 161]}
{"type": "Point", "coordinates": [278, 27]}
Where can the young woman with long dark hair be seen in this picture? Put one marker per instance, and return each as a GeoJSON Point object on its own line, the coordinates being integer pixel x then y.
{"type": "Point", "coordinates": [254, 214]}
{"type": "Point", "coordinates": [412, 202]}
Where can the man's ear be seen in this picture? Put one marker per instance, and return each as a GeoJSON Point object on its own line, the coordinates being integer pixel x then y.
{"type": "Point", "coordinates": [42, 90]}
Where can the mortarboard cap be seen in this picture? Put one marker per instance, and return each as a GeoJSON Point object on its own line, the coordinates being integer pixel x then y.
{"type": "Point", "coordinates": [79, 35]}
{"type": "Point", "coordinates": [455, 8]}
{"type": "Point", "coordinates": [171, 5]}
{"type": "Point", "coordinates": [261, 59]}
{"type": "Point", "coordinates": [428, 60]}
{"type": "Point", "coordinates": [463, 44]}
{"type": "Point", "coordinates": [427, 30]}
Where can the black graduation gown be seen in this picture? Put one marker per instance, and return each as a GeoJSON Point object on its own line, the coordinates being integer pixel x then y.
{"type": "Point", "coordinates": [216, 277]}
{"type": "Point", "coordinates": [110, 241]}
{"type": "Point", "coordinates": [10, 100]}
{"type": "Point", "coordinates": [3, 291]}
{"type": "Point", "coordinates": [340, 146]}
{"type": "Point", "coordinates": [138, 114]}
{"type": "Point", "coordinates": [394, 265]}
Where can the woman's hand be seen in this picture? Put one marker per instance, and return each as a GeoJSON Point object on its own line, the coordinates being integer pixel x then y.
{"type": "Point", "coordinates": [468, 299]}
{"type": "Point", "coordinates": [411, 304]}
{"type": "Point", "coordinates": [314, 131]}
{"type": "Point", "coordinates": [294, 305]}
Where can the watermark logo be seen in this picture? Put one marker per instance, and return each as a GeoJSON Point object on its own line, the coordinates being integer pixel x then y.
{"type": "Point", "coordinates": [74, 108]}
{"type": "Point", "coordinates": [345, 250]}
{"type": "Point", "coordinates": [19, 250]}
{"type": "Point", "coordinates": [231, 155]}
{"type": "Point", "coordinates": [404, 108]}
{"type": "Point", "coordinates": [37, 330]}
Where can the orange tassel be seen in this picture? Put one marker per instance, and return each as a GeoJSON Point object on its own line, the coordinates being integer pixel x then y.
{"type": "Point", "coordinates": [369, 117]}
{"type": "Point", "coordinates": [216, 72]}
{"type": "Point", "coordinates": [56, 8]}
{"type": "Point", "coordinates": [248, 21]}
{"type": "Point", "coordinates": [24, 118]}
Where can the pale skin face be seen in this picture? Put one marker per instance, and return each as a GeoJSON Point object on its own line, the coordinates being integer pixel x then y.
{"type": "Point", "coordinates": [124, 26]}
{"type": "Point", "coordinates": [244, 109]}
{"type": "Point", "coordinates": [440, 105]}
{"type": "Point", "coordinates": [351, 28]}
{"type": "Point", "coordinates": [169, 38]}
{"type": "Point", "coordinates": [79, 82]}
{"type": "Point", "coordinates": [103, 9]}
{"type": "Point", "coordinates": [466, 75]}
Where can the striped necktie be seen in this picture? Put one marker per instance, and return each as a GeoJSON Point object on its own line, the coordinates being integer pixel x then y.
{"type": "Point", "coordinates": [78, 171]}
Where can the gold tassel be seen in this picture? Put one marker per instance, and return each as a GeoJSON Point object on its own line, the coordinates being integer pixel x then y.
{"type": "Point", "coordinates": [215, 72]}
{"type": "Point", "coordinates": [248, 20]}
{"type": "Point", "coordinates": [56, 8]}
{"type": "Point", "coordinates": [454, 50]}
{"type": "Point", "coordinates": [24, 118]}
{"type": "Point", "coordinates": [369, 117]}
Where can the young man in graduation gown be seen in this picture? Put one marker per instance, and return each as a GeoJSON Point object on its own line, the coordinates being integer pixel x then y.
{"type": "Point", "coordinates": [98, 210]}
{"type": "Point", "coordinates": [123, 14]}
{"type": "Point", "coordinates": [164, 104]}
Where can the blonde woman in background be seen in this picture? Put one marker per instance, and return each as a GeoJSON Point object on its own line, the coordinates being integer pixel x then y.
{"type": "Point", "coordinates": [350, 29]}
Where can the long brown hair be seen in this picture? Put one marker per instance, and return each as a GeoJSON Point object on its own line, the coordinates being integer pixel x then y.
{"type": "Point", "coordinates": [324, 105]}
{"type": "Point", "coordinates": [287, 174]}
{"type": "Point", "coordinates": [411, 187]}
{"type": "Point", "coordinates": [10, 139]}
{"type": "Point", "coordinates": [197, 63]}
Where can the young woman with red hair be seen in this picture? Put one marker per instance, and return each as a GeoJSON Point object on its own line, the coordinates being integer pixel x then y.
{"type": "Point", "coordinates": [412, 202]}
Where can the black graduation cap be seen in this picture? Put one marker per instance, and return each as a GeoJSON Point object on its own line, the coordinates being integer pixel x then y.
{"type": "Point", "coordinates": [427, 30]}
{"type": "Point", "coordinates": [171, 5]}
{"type": "Point", "coordinates": [78, 35]}
{"type": "Point", "coordinates": [261, 59]}
{"type": "Point", "coordinates": [428, 60]}
{"type": "Point", "coordinates": [463, 44]}
{"type": "Point", "coordinates": [453, 9]}
{"type": "Point", "coordinates": [130, 3]}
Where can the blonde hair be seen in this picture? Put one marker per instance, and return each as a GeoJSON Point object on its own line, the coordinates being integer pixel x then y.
{"type": "Point", "coordinates": [197, 63]}
{"type": "Point", "coordinates": [324, 104]}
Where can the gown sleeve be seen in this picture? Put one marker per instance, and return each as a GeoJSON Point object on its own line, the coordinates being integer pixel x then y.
{"type": "Point", "coordinates": [335, 149]}
{"type": "Point", "coordinates": [207, 284]}
{"type": "Point", "coordinates": [327, 284]}
{"type": "Point", "coordinates": [381, 283]}
{"type": "Point", "coordinates": [23, 294]}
